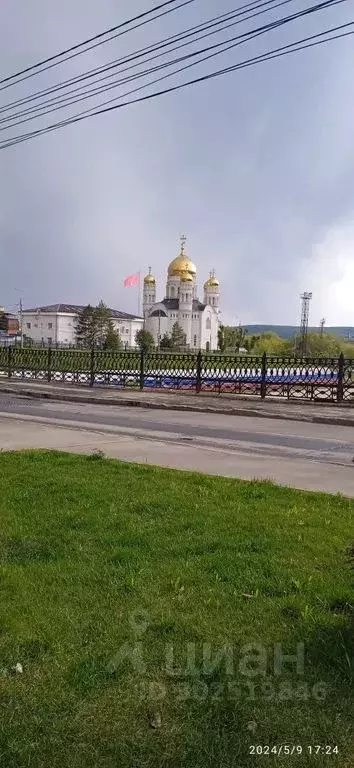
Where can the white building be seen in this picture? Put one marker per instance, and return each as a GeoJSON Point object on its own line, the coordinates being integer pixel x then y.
{"type": "Point", "coordinates": [55, 324]}
{"type": "Point", "coordinates": [200, 321]}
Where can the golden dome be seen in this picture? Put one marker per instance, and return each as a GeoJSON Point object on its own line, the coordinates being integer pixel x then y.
{"type": "Point", "coordinates": [149, 279]}
{"type": "Point", "coordinates": [212, 282]}
{"type": "Point", "coordinates": [186, 277]}
{"type": "Point", "coordinates": [182, 264]}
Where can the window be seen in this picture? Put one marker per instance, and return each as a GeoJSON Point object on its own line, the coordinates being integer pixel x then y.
{"type": "Point", "coordinates": [127, 330]}
{"type": "Point", "coordinates": [195, 340]}
{"type": "Point", "coordinates": [50, 326]}
{"type": "Point", "coordinates": [49, 339]}
{"type": "Point", "coordinates": [208, 323]}
{"type": "Point", "coordinates": [36, 325]}
{"type": "Point", "coordinates": [28, 325]}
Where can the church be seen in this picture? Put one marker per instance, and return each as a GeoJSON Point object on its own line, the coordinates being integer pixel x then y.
{"type": "Point", "coordinates": [200, 321]}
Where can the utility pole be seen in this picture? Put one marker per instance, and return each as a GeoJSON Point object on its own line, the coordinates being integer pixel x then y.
{"type": "Point", "coordinates": [159, 332]}
{"type": "Point", "coordinates": [20, 291]}
{"type": "Point", "coordinates": [21, 324]}
{"type": "Point", "coordinates": [322, 325]}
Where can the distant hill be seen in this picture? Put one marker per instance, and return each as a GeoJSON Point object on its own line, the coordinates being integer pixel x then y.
{"type": "Point", "coordinates": [288, 331]}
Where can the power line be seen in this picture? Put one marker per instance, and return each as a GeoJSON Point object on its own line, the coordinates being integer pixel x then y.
{"type": "Point", "coordinates": [66, 101]}
{"type": "Point", "coordinates": [240, 39]}
{"type": "Point", "coordinates": [191, 31]}
{"type": "Point", "coordinates": [267, 56]}
{"type": "Point", "coordinates": [89, 40]}
{"type": "Point", "coordinates": [258, 59]}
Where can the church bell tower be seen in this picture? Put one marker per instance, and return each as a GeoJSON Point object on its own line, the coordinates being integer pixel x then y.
{"type": "Point", "coordinates": [149, 293]}
{"type": "Point", "coordinates": [212, 291]}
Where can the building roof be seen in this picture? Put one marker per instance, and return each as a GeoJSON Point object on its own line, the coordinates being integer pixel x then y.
{"type": "Point", "coordinates": [174, 304]}
{"type": "Point", "coordinates": [75, 309]}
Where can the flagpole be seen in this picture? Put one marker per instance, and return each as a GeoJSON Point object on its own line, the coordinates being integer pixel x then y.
{"type": "Point", "coordinates": [139, 294]}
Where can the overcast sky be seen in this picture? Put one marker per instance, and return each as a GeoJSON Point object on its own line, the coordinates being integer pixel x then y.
{"type": "Point", "coordinates": [256, 168]}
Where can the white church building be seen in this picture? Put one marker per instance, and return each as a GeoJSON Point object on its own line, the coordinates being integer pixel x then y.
{"type": "Point", "coordinates": [199, 320]}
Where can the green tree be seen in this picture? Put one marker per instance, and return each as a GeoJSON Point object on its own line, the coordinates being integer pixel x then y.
{"type": "Point", "coordinates": [319, 344]}
{"type": "Point", "coordinates": [93, 326]}
{"type": "Point", "coordinates": [234, 338]}
{"type": "Point", "coordinates": [230, 337]}
{"type": "Point", "coordinates": [112, 340]}
{"type": "Point", "coordinates": [348, 349]}
{"type": "Point", "coordinates": [103, 324]}
{"type": "Point", "coordinates": [251, 342]}
{"type": "Point", "coordinates": [271, 344]}
{"type": "Point", "coordinates": [221, 338]}
{"type": "Point", "coordinates": [178, 337]}
{"type": "Point", "coordinates": [326, 345]}
{"type": "Point", "coordinates": [144, 340]}
{"type": "Point", "coordinates": [241, 334]}
{"type": "Point", "coordinates": [85, 328]}
{"type": "Point", "coordinates": [166, 342]}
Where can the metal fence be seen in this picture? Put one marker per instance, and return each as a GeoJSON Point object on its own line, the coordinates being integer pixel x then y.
{"type": "Point", "coordinates": [267, 376]}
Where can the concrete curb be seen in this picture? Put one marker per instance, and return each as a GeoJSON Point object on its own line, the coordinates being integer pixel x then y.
{"type": "Point", "coordinates": [230, 410]}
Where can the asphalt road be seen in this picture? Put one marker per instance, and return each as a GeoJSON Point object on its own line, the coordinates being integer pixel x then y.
{"type": "Point", "coordinates": [327, 444]}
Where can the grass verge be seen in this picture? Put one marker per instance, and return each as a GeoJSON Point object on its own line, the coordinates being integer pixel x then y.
{"type": "Point", "coordinates": [149, 608]}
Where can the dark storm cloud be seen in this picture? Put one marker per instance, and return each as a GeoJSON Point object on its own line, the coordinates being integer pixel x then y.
{"type": "Point", "coordinates": [256, 168]}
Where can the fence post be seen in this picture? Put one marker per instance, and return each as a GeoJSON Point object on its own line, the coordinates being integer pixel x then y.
{"type": "Point", "coordinates": [142, 369]}
{"type": "Point", "coordinates": [198, 385]}
{"type": "Point", "coordinates": [340, 378]}
{"type": "Point", "coordinates": [49, 364]}
{"type": "Point", "coordinates": [264, 376]}
{"type": "Point", "coordinates": [92, 367]}
{"type": "Point", "coordinates": [9, 360]}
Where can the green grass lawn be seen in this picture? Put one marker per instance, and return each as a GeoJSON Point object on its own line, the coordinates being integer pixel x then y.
{"type": "Point", "coordinates": [120, 585]}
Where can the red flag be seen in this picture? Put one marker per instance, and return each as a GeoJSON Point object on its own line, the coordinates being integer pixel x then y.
{"type": "Point", "coordinates": [132, 280]}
